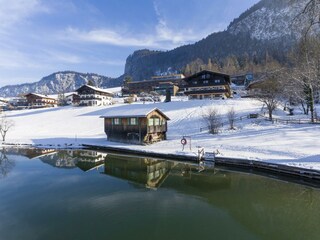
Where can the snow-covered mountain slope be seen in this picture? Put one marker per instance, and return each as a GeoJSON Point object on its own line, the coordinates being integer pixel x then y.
{"type": "Point", "coordinates": [269, 19]}
{"type": "Point", "coordinates": [270, 26]}
{"type": "Point", "coordinates": [58, 82]}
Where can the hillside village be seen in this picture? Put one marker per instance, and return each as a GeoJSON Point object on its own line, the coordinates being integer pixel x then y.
{"type": "Point", "coordinates": [202, 85]}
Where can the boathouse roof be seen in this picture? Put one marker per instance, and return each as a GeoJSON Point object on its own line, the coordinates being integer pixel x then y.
{"type": "Point", "coordinates": [137, 110]}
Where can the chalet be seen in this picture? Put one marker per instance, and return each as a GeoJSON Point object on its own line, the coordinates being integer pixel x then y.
{"type": "Point", "coordinates": [3, 104]}
{"type": "Point", "coordinates": [93, 96]}
{"type": "Point", "coordinates": [18, 102]}
{"type": "Point", "coordinates": [73, 99]}
{"type": "Point", "coordinates": [207, 85]}
{"type": "Point", "coordinates": [139, 125]}
{"type": "Point", "coordinates": [39, 100]}
{"type": "Point", "coordinates": [147, 86]}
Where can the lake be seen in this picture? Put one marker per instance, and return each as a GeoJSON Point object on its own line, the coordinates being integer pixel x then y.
{"type": "Point", "coordinates": [77, 194]}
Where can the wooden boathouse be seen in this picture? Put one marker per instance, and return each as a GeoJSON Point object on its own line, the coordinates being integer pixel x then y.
{"type": "Point", "coordinates": [135, 124]}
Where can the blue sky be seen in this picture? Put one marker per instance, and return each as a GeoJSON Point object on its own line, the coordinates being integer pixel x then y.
{"type": "Point", "coordinates": [39, 37]}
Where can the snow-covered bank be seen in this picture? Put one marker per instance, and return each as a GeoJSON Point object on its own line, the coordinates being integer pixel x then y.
{"type": "Point", "coordinates": [295, 145]}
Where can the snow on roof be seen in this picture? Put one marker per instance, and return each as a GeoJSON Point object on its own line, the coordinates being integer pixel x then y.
{"type": "Point", "coordinates": [136, 110]}
{"type": "Point", "coordinates": [71, 93]}
{"type": "Point", "coordinates": [41, 95]}
{"type": "Point", "coordinates": [97, 89]}
{"type": "Point", "coordinates": [114, 90]}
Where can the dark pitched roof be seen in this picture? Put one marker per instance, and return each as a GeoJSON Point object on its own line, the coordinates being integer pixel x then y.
{"type": "Point", "coordinates": [206, 71]}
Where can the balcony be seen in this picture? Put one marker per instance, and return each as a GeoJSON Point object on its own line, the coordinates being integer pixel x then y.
{"type": "Point", "coordinates": [156, 129]}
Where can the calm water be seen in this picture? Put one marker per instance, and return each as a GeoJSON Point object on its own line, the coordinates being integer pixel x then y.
{"type": "Point", "coordinates": [92, 195]}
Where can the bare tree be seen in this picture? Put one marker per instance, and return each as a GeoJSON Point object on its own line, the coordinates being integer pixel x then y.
{"type": "Point", "coordinates": [62, 89]}
{"type": "Point", "coordinates": [231, 117]}
{"type": "Point", "coordinates": [269, 92]}
{"type": "Point", "coordinates": [305, 75]}
{"type": "Point", "coordinates": [213, 120]}
{"type": "Point", "coordinates": [5, 125]}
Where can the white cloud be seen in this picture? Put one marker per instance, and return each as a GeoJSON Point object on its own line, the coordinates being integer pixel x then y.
{"type": "Point", "coordinates": [163, 38]}
{"type": "Point", "coordinates": [177, 37]}
{"type": "Point", "coordinates": [107, 36]}
{"type": "Point", "coordinates": [62, 57]}
{"type": "Point", "coordinates": [14, 11]}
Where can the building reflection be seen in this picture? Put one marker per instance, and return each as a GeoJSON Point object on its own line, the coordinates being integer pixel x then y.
{"type": "Point", "coordinates": [151, 173]}
{"type": "Point", "coordinates": [84, 159]}
{"type": "Point", "coordinates": [31, 153]}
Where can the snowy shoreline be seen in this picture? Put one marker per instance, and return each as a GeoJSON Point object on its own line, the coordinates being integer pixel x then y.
{"type": "Point", "coordinates": [294, 145]}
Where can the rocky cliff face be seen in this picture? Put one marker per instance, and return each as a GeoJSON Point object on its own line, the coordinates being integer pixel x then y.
{"type": "Point", "coordinates": [267, 27]}
{"type": "Point", "coordinates": [66, 81]}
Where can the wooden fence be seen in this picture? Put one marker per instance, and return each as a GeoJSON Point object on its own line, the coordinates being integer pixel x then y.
{"type": "Point", "coordinates": [275, 120]}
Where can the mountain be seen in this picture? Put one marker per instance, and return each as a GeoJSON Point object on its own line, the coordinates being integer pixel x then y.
{"type": "Point", "coordinates": [267, 28]}
{"type": "Point", "coordinates": [66, 81]}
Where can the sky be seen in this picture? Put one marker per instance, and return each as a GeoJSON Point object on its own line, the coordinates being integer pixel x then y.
{"type": "Point", "coordinates": [40, 37]}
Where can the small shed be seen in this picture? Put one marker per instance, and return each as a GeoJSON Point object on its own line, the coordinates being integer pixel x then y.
{"type": "Point", "coordinates": [135, 124]}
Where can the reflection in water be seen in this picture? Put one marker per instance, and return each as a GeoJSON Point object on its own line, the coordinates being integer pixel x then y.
{"type": "Point", "coordinates": [146, 171]}
{"type": "Point", "coordinates": [6, 164]}
{"type": "Point", "coordinates": [243, 206]}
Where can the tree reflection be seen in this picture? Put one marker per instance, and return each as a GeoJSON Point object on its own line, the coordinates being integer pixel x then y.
{"type": "Point", "coordinates": [6, 164]}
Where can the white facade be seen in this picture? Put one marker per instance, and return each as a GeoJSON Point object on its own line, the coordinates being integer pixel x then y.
{"type": "Point", "coordinates": [93, 96]}
{"type": "Point", "coordinates": [95, 100]}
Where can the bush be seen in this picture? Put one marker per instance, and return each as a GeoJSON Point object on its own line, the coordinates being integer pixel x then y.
{"type": "Point", "coordinates": [213, 120]}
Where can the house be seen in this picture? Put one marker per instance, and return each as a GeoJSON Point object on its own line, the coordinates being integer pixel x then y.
{"type": "Point", "coordinates": [163, 87]}
{"type": "Point", "coordinates": [242, 80]}
{"type": "Point", "coordinates": [207, 85]}
{"type": "Point", "coordinates": [93, 96]}
{"type": "Point", "coordinates": [4, 104]}
{"type": "Point", "coordinates": [239, 84]}
{"type": "Point", "coordinates": [140, 124]}
{"type": "Point", "coordinates": [18, 102]}
{"type": "Point", "coordinates": [39, 100]}
{"type": "Point", "coordinates": [147, 86]}
{"type": "Point", "coordinates": [73, 99]}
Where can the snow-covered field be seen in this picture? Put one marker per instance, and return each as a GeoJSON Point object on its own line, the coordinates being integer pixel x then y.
{"type": "Point", "coordinates": [296, 145]}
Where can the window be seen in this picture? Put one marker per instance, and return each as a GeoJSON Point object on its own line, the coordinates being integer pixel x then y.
{"type": "Point", "coordinates": [203, 76]}
{"type": "Point", "coordinates": [217, 81]}
{"type": "Point", "coordinates": [116, 121]}
{"type": "Point", "coordinates": [205, 82]}
{"type": "Point", "coordinates": [150, 122]}
{"type": "Point", "coordinates": [133, 121]}
{"type": "Point", "coordinates": [156, 121]}
{"type": "Point", "coordinates": [194, 82]}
